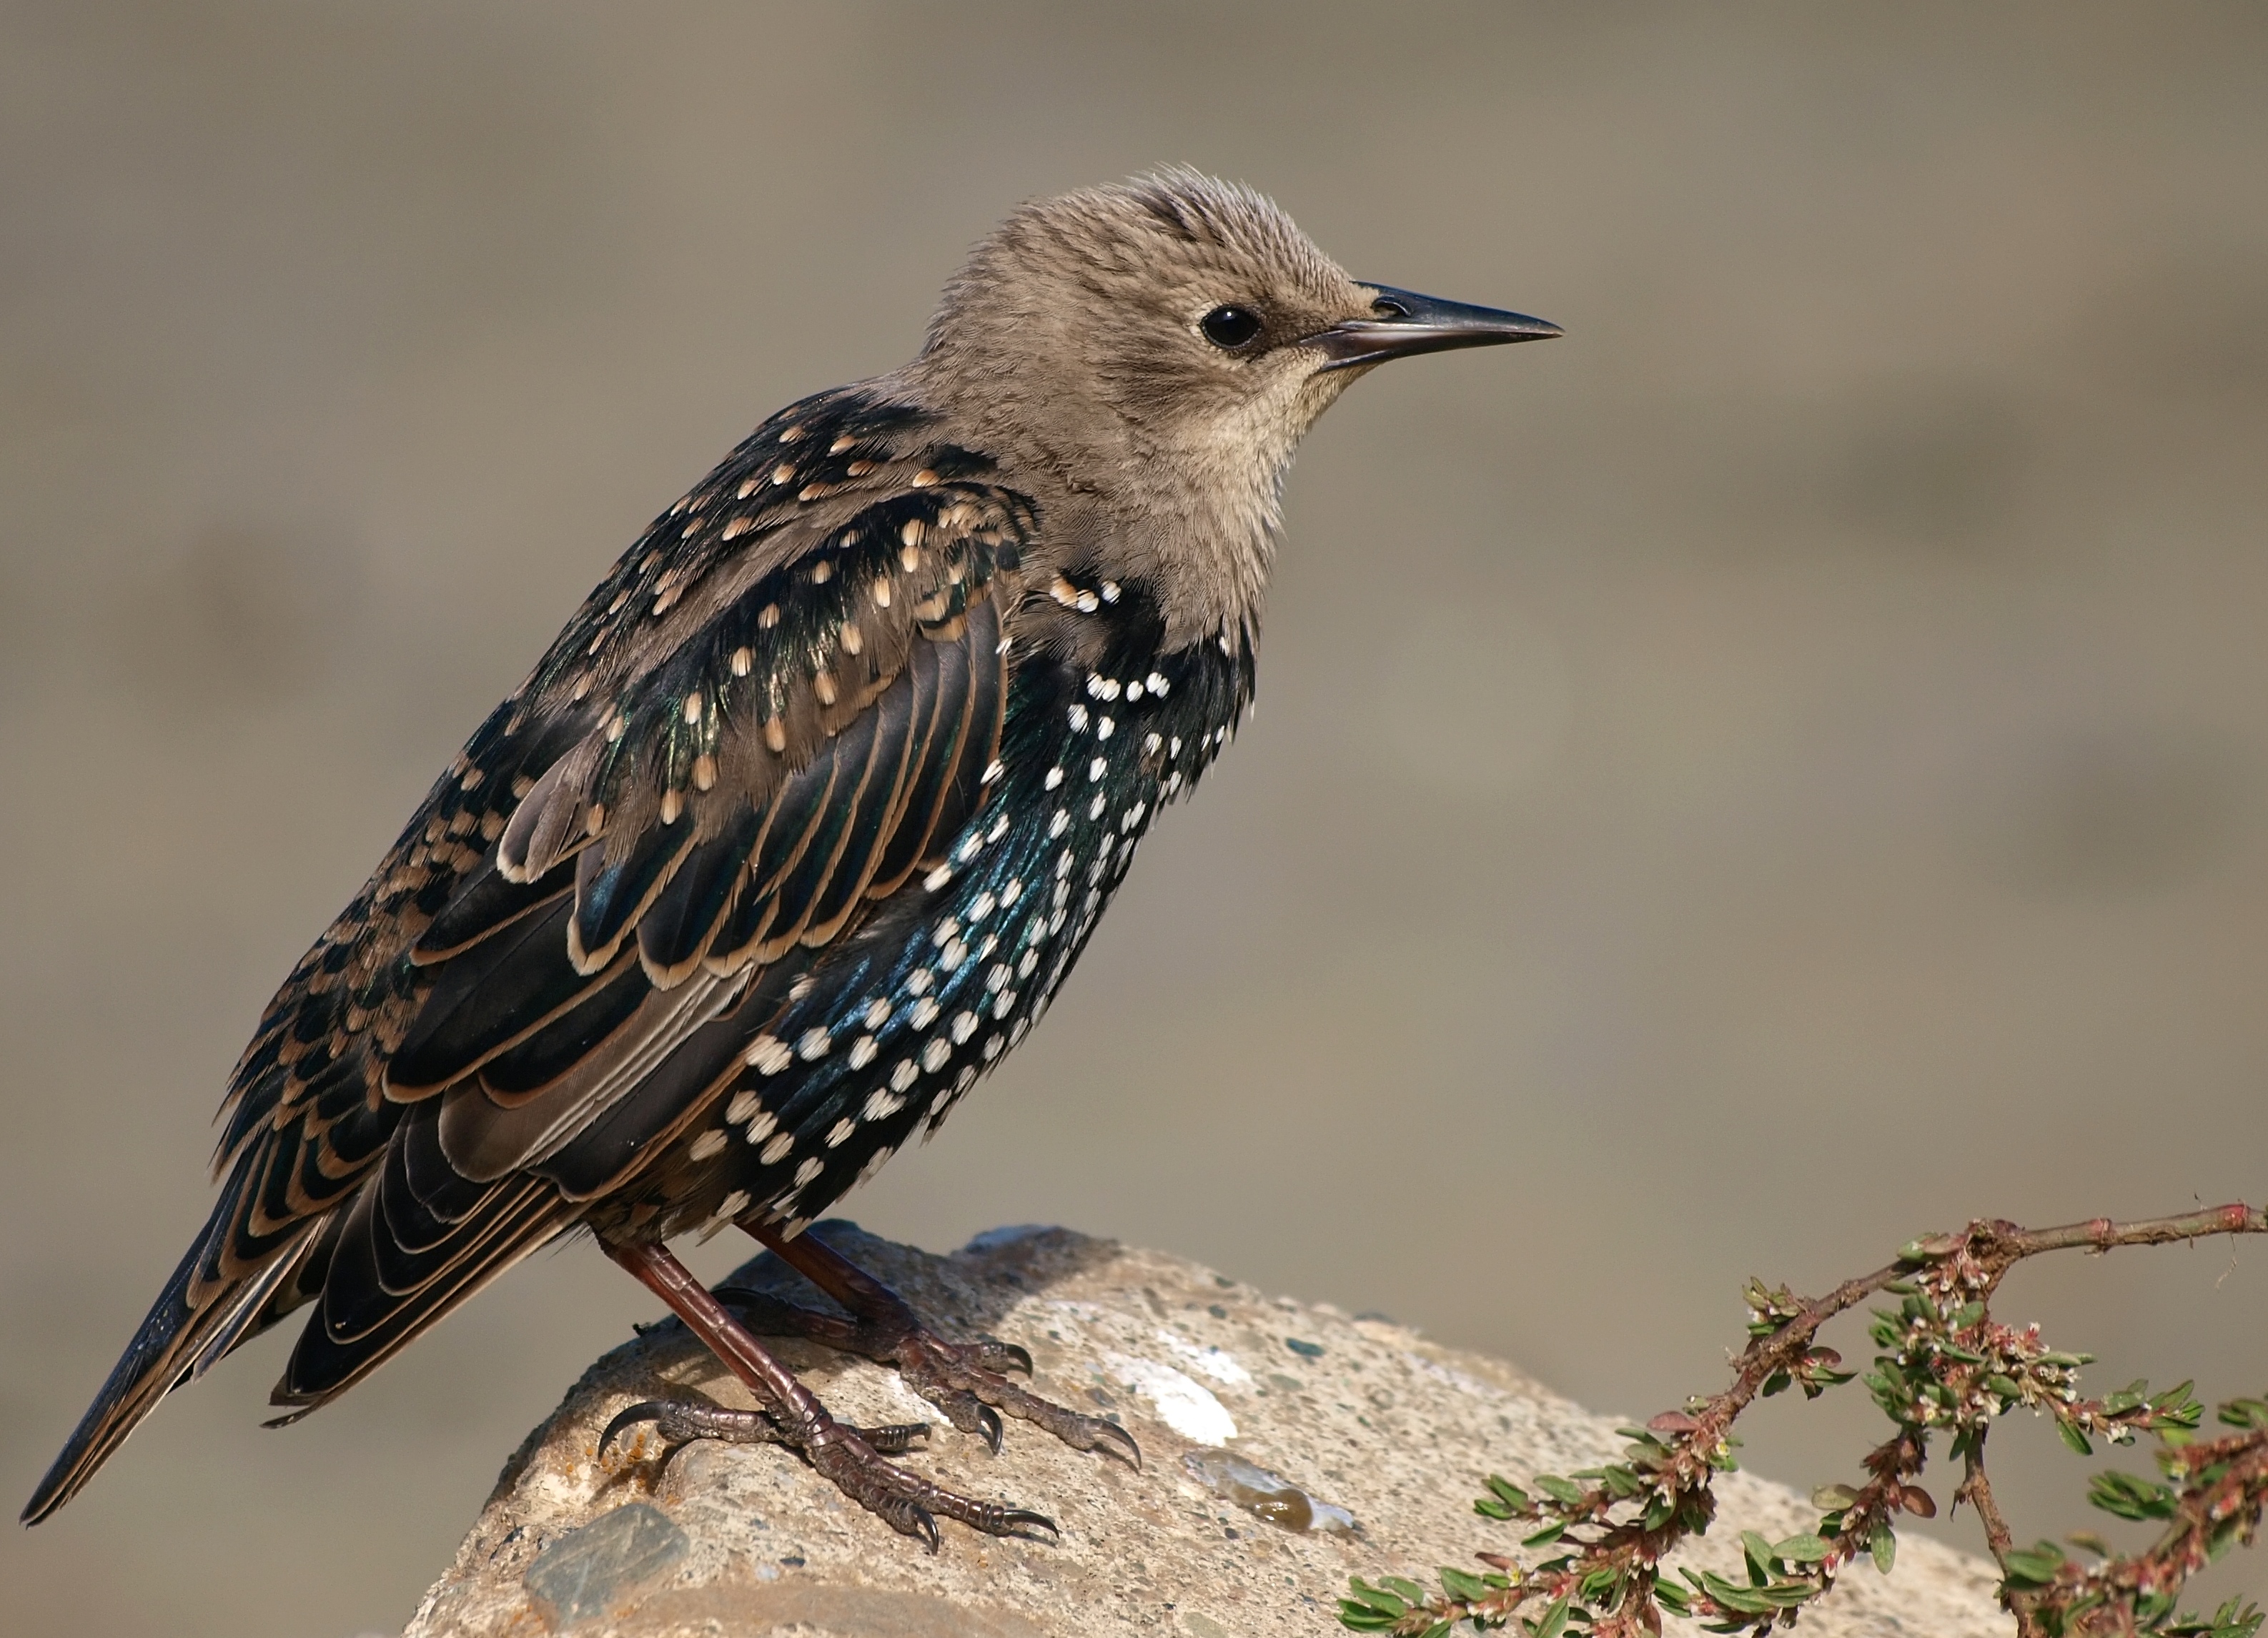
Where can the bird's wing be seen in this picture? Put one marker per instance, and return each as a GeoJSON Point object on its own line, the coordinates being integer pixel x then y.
{"type": "Point", "coordinates": [736, 806]}
{"type": "Point", "coordinates": [774, 708]}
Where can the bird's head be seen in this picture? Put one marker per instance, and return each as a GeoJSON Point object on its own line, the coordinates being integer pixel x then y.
{"type": "Point", "coordinates": [1170, 338]}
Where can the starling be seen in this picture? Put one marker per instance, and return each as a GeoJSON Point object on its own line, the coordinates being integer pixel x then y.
{"type": "Point", "coordinates": [793, 832]}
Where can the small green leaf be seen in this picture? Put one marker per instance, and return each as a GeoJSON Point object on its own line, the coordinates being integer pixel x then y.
{"type": "Point", "coordinates": [1508, 1493]}
{"type": "Point", "coordinates": [2035, 1566]}
{"type": "Point", "coordinates": [1553, 1622]}
{"type": "Point", "coordinates": [1884, 1547]}
{"type": "Point", "coordinates": [1559, 1490]}
{"type": "Point", "coordinates": [1759, 1554]}
{"type": "Point", "coordinates": [1378, 1598]}
{"type": "Point", "coordinates": [1834, 1498]}
{"type": "Point", "coordinates": [1803, 1549]}
{"type": "Point", "coordinates": [1463, 1588]}
{"type": "Point", "coordinates": [2074, 1437]}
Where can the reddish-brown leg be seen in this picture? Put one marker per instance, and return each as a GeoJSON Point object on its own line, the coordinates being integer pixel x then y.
{"type": "Point", "coordinates": [962, 1380]}
{"type": "Point", "coordinates": [793, 1415]}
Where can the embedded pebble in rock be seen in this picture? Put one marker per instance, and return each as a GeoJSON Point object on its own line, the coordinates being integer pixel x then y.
{"type": "Point", "coordinates": [1263, 1494]}
{"type": "Point", "coordinates": [588, 1571]}
{"type": "Point", "coordinates": [1380, 1423]}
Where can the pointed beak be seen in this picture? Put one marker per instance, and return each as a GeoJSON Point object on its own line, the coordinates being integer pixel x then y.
{"type": "Point", "coordinates": [1402, 322]}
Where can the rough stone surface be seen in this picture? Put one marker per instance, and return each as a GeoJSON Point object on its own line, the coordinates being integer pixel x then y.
{"type": "Point", "coordinates": [1358, 1414]}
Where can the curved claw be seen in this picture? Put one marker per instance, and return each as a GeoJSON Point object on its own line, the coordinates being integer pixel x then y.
{"type": "Point", "coordinates": [1132, 1454]}
{"type": "Point", "coordinates": [1009, 1355]}
{"type": "Point", "coordinates": [1016, 1520]}
{"type": "Point", "coordinates": [923, 1525]}
{"type": "Point", "coordinates": [987, 1423]}
{"type": "Point", "coordinates": [644, 1410]}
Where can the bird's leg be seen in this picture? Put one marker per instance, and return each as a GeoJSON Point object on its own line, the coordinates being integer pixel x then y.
{"type": "Point", "coordinates": [965, 1380]}
{"type": "Point", "coordinates": [850, 1458]}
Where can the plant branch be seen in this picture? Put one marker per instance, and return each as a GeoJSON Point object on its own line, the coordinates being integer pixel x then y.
{"type": "Point", "coordinates": [1944, 1366]}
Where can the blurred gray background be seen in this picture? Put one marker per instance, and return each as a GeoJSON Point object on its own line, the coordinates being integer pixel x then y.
{"type": "Point", "coordinates": [1778, 771]}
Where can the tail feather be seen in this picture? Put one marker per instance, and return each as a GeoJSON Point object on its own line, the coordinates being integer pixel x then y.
{"type": "Point", "coordinates": [177, 1340]}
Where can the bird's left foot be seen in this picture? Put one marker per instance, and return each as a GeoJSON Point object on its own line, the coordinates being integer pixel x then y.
{"type": "Point", "coordinates": [967, 1381]}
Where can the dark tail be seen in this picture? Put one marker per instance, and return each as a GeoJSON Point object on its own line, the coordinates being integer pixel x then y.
{"type": "Point", "coordinates": [179, 1338]}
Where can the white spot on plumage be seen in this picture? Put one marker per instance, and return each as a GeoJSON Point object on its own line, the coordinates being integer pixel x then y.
{"type": "Point", "coordinates": [813, 1044]}
{"type": "Point", "coordinates": [938, 877]}
{"type": "Point", "coordinates": [880, 1106]}
{"type": "Point", "coordinates": [769, 1055]}
{"type": "Point", "coordinates": [964, 1026]}
{"type": "Point", "coordinates": [1013, 892]}
{"type": "Point", "coordinates": [777, 1151]}
{"type": "Point", "coordinates": [811, 1166]}
{"type": "Point", "coordinates": [763, 1127]}
{"type": "Point", "coordinates": [1006, 1005]}
{"type": "Point", "coordinates": [1029, 960]}
{"type": "Point", "coordinates": [945, 932]}
{"type": "Point", "coordinates": [743, 1105]}
{"type": "Point", "coordinates": [982, 906]}
{"type": "Point", "coordinates": [1096, 769]}
{"type": "Point", "coordinates": [935, 1055]}
{"type": "Point", "coordinates": [875, 1162]}
{"type": "Point", "coordinates": [965, 1079]}
{"type": "Point", "coordinates": [841, 1130]}
{"type": "Point", "coordinates": [733, 1204]}
{"type": "Point", "coordinates": [705, 1145]}
{"type": "Point", "coordinates": [997, 977]}
{"type": "Point", "coordinates": [992, 771]}
{"type": "Point", "coordinates": [924, 1012]}
{"type": "Point", "coordinates": [1058, 823]}
{"type": "Point", "coordinates": [953, 955]}
{"type": "Point", "coordinates": [862, 1051]}
{"type": "Point", "coordinates": [1095, 808]}
{"type": "Point", "coordinates": [994, 1045]}
{"type": "Point", "coordinates": [1078, 719]}
{"type": "Point", "coordinates": [877, 1015]}
{"type": "Point", "coordinates": [1053, 778]}
{"type": "Point", "coordinates": [902, 1077]}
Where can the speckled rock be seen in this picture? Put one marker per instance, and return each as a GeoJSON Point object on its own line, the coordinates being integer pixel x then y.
{"type": "Point", "coordinates": [1354, 1415]}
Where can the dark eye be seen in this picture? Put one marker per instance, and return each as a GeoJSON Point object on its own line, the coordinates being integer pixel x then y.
{"type": "Point", "coordinates": [1231, 327]}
